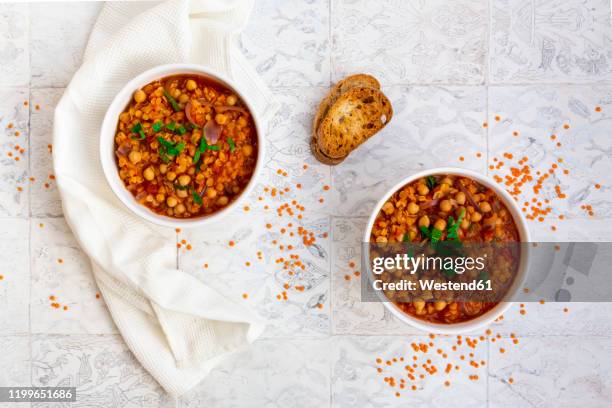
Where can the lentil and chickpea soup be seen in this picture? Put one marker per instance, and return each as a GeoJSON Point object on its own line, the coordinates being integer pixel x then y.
{"type": "Point", "coordinates": [186, 146]}
{"type": "Point", "coordinates": [448, 208]}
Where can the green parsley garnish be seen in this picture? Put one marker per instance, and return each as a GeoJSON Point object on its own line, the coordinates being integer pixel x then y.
{"type": "Point", "coordinates": [157, 126]}
{"type": "Point", "coordinates": [167, 144]}
{"type": "Point", "coordinates": [164, 156]}
{"type": "Point", "coordinates": [201, 149]}
{"type": "Point", "coordinates": [177, 149]}
{"type": "Point", "coordinates": [169, 149]}
{"type": "Point", "coordinates": [213, 147]}
{"type": "Point", "coordinates": [231, 143]}
{"type": "Point", "coordinates": [181, 130]}
{"type": "Point", "coordinates": [196, 197]}
{"type": "Point", "coordinates": [137, 128]}
{"type": "Point", "coordinates": [172, 101]}
{"type": "Point", "coordinates": [436, 234]}
{"type": "Point", "coordinates": [453, 226]}
{"type": "Point", "coordinates": [171, 126]}
{"type": "Point", "coordinates": [425, 231]}
{"type": "Point", "coordinates": [449, 273]}
{"type": "Point", "coordinates": [431, 182]}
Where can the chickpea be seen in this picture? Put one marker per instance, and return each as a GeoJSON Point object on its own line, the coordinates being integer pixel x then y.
{"type": "Point", "coordinates": [211, 193]}
{"type": "Point", "coordinates": [191, 85]}
{"type": "Point", "coordinates": [231, 100]}
{"type": "Point", "coordinates": [439, 305]}
{"type": "Point", "coordinates": [247, 150]}
{"type": "Point", "coordinates": [422, 189]}
{"type": "Point", "coordinates": [171, 176]}
{"type": "Point", "coordinates": [184, 179]}
{"type": "Point", "coordinates": [413, 208]}
{"type": "Point", "coordinates": [412, 234]}
{"type": "Point", "coordinates": [171, 201]}
{"type": "Point", "coordinates": [241, 122]}
{"type": "Point", "coordinates": [465, 224]}
{"type": "Point", "coordinates": [223, 200]}
{"type": "Point", "coordinates": [160, 197]}
{"type": "Point", "coordinates": [163, 168]}
{"type": "Point", "coordinates": [424, 221]}
{"type": "Point", "coordinates": [440, 224]}
{"type": "Point", "coordinates": [140, 96]}
{"type": "Point", "coordinates": [134, 156]}
{"type": "Point", "coordinates": [148, 173]}
{"type": "Point", "coordinates": [460, 198]}
{"type": "Point", "coordinates": [388, 208]}
{"type": "Point", "coordinates": [176, 93]}
{"type": "Point", "coordinates": [445, 205]}
{"type": "Point", "coordinates": [184, 98]}
{"type": "Point", "coordinates": [179, 209]}
{"type": "Point", "coordinates": [485, 207]}
{"type": "Point", "coordinates": [221, 119]}
{"type": "Point", "coordinates": [447, 180]}
{"type": "Point", "coordinates": [381, 239]}
{"type": "Point", "coordinates": [476, 217]}
{"type": "Point", "coordinates": [182, 193]}
{"type": "Point", "coordinates": [419, 306]}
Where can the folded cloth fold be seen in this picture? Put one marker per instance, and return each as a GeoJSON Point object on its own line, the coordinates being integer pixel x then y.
{"type": "Point", "coordinates": [176, 326]}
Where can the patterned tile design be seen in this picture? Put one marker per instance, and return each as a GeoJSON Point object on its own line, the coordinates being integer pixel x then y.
{"type": "Point", "coordinates": [543, 41]}
{"type": "Point", "coordinates": [300, 34]}
{"type": "Point", "coordinates": [101, 368]}
{"type": "Point", "coordinates": [272, 373]}
{"type": "Point", "coordinates": [547, 371]}
{"type": "Point", "coordinates": [412, 41]}
{"type": "Point", "coordinates": [14, 154]}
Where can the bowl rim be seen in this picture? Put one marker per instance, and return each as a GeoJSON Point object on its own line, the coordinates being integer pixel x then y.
{"type": "Point", "coordinates": [525, 237]}
{"type": "Point", "coordinates": [107, 144]}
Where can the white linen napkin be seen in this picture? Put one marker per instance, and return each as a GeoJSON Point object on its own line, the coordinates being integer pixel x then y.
{"type": "Point", "coordinates": [175, 325]}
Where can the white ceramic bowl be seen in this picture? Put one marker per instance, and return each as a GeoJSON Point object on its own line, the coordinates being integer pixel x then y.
{"type": "Point", "coordinates": [107, 144]}
{"type": "Point", "coordinates": [488, 317]}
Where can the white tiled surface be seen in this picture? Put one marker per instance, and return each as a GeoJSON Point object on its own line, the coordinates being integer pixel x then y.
{"type": "Point", "coordinates": [448, 67]}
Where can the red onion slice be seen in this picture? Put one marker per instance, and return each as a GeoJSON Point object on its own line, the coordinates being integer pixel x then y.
{"type": "Point", "coordinates": [468, 195]}
{"type": "Point", "coordinates": [123, 150]}
{"type": "Point", "coordinates": [212, 132]}
{"type": "Point", "coordinates": [429, 204]}
{"type": "Point", "coordinates": [188, 114]}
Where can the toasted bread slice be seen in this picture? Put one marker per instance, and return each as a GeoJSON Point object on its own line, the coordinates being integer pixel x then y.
{"type": "Point", "coordinates": [320, 156]}
{"type": "Point", "coordinates": [356, 116]}
{"type": "Point", "coordinates": [357, 80]}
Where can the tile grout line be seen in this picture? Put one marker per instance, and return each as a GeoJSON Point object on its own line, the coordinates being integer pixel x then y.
{"type": "Point", "coordinates": [330, 218]}
{"type": "Point", "coordinates": [487, 86]}
{"type": "Point", "coordinates": [30, 346]}
{"type": "Point", "coordinates": [483, 83]}
{"type": "Point", "coordinates": [487, 137]}
{"type": "Point", "coordinates": [488, 372]}
{"type": "Point", "coordinates": [329, 40]}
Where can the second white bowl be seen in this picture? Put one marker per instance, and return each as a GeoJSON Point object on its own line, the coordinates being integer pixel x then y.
{"type": "Point", "coordinates": [521, 225]}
